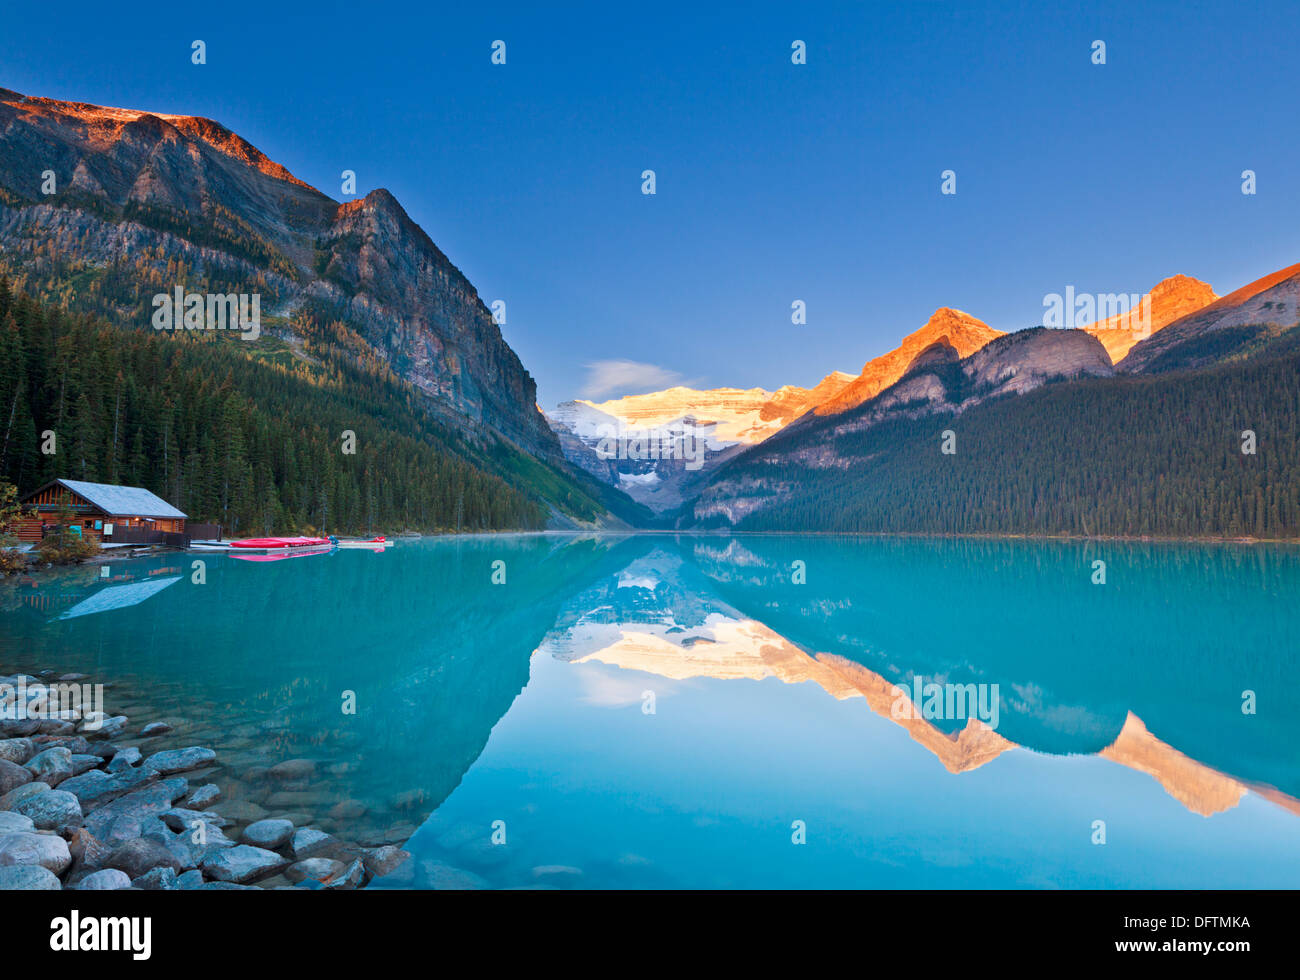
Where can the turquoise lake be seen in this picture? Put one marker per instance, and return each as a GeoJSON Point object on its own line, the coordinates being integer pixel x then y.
{"type": "Point", "coordinates": [658, 711]}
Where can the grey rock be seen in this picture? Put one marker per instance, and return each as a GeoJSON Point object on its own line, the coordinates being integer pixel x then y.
{"type": "Point", "coordinates": [51, 766]}
{"type": "Point", "coordinates": [242, 863]}
{"type": "Point", "coordinates": [157, 880]}
{"type": "Point", "coordinates": [107, 728]}
{"type": "Point", "coordinates": [28, 878]}
{"type": "Point", "coordinates": [107, 880]}
{"type": "Point", "coordinates": [17, 750]}
{"type": "Point", "coordinates": [16, 796]}
{"type": "Point", "coordinates": [12, 776]}
{"type": "Point", "coordinates": [315, 869]}
{"type": "Point", "coordinates": [140, 856]}
{"type": "Point", "coordinates": [182, 820]}
{"type": "Point", "coordinates": [98, 787]}
{"type": "Point", "coordinates": [47, 850]}
{"type": "Point", "coordinates": [349, 879]}
{"type": "Point", "coordinates": [225, 886]}
{"type": "Point", "coordinates": [179, 760]}
{"type": "Point", "coordinates": [190, 880]}
{"type": "Point", "coordinates": [309, 841]}
{"type": "Point", "coordinates": [84, 763]}
{"type": "Point", "coordinates": [14, 823]}
{"type": "Point", "coordinates": [155, 728]}
{"type": "Point", "coordinates": [124, 759]}
{"type": "Point", "coordinates": [269, 834]}
{"type": "Point", "coordinates": [18, 727]}
{"type": "Point", "coordinates": [141, 804]}
{"type": "Point", "coordinates": [56, 810]}
{"type": "Point", "coordinates": [203, 797]}
{"type": "Point", "coordinates": [384, 860]}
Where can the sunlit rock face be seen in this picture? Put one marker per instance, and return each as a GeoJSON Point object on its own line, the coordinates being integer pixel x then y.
{"type": "Point", "coordinates": [1169, 300]}
{"type": "Point", "coordinates": [712, 424]}
{"type": "Point", "coordinates": [157, 196]}
{"type": "Point", "coordinates": [1199, 788]}
{"type": "Point", "coordinates": [1265, 307]}
{"type": "Point", "coordinates": [951, 328]}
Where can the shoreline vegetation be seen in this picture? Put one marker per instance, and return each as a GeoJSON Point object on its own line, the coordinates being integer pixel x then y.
{"type": "Point", "coordinates": [90, 802]}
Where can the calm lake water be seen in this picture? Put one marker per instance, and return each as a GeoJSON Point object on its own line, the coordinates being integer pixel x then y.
{"type": "Point", "coordinates": [652, 711]}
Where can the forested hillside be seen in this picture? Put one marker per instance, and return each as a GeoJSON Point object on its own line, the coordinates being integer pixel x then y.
{"type": "Point", "coordinates": [1128, 455]}
{"type": "Point", "coordinates": [248, 434]}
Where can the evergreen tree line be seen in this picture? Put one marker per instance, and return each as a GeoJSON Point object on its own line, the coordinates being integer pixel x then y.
{"type": "Point", "coordinates": [248, 435]}
{"type": "Point", "coordinates": [1124, 456]}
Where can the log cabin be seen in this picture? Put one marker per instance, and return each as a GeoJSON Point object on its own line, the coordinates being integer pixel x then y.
{"type": "Point", "coordinates": [100, 508]}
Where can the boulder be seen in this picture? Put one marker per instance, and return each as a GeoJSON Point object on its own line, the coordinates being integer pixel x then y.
{"type": "Point", "coordinates": [241, 864]}
{"type": "Point", "coordinates": [12, 776]}
{"type": "Point", "coordinates": [28, 878]}
{"type": "Point", "coordinates": [269, 834]}
{"type": "Point", "coordinates": [51, 766]}
{"type": "Point", "coordinates": [179, 760]}
{"type": "Point", "coordinates": [46, 850]}
{"type": "Point", "coordinates": [56, 810]}
{"type": "Point", "coordinates": [107, 880]}
{"type": "Point", "coordinates": [140, 856]}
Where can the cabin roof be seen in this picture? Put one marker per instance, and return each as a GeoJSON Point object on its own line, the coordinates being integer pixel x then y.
{"type": "Point", "coordinates": [119, 501]}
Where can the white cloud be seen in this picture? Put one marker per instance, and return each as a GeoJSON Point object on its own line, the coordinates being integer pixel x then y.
{"type": "Point", "coordinates": [616, 378]}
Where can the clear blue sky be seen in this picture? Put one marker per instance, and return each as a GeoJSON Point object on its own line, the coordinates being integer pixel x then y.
{"type": "Point", "coordinates": [776, 182]}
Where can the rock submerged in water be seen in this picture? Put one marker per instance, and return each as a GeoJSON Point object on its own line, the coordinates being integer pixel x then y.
{"type": "Point", "coordinates": [154, 729]}
{"type": "Point", "coordinates": [179, 760]}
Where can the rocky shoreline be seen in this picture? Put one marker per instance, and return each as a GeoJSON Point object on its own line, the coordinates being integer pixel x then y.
{"type": "Point", "coordinates": [84, 805]}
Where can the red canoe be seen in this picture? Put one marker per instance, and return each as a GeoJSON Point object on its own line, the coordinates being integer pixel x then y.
{"type": "Point", "coordinates": [267, 544]}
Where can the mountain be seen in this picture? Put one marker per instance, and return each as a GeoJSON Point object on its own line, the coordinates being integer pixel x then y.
{"type": "Point", "coordinates": [1047, 438]}
{"type": "Point", "coordinates": [1169, 300]}
{"type": "Point", "coordinates": [187, 198]}
{"type": "Point", "coordinates": [1242, 321]}
{"type": "Point", "coordinates": [940, 382]}
{"type": "Point", "coordinates": [948, 327]}
{"type": "Point", "coordinates": [145, 202]}
{"type": "Point", "coordinates": [623, 441]}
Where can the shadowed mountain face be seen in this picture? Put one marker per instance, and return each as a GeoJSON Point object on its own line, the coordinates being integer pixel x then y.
{"type": "Point", "coordinates": [144, 202]}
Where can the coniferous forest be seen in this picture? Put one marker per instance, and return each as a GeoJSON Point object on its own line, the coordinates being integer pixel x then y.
{"type": "Point", "coordinates": [245, 434]}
